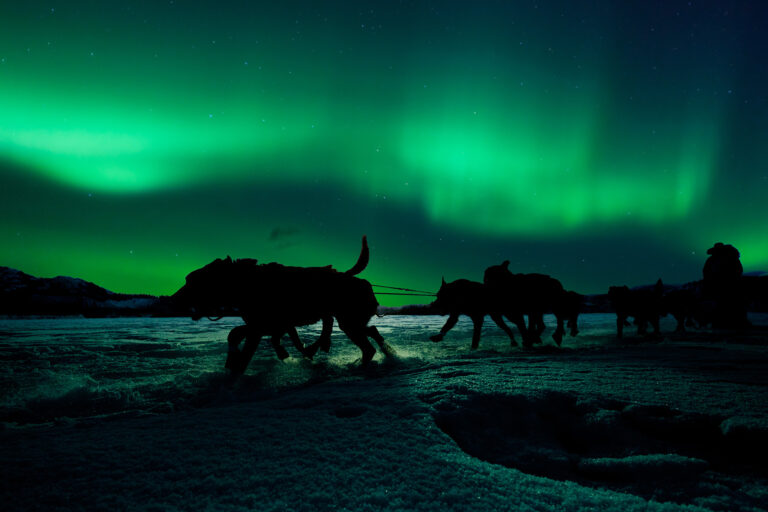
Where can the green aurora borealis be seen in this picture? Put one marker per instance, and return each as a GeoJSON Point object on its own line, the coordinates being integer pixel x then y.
{"type": "Point", "coordinates": [600, 142]}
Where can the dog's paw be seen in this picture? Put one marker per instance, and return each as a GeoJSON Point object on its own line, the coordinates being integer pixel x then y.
{"type": "Point", "coordinates": [388, 349]}
{"type": "Point", "coordinates": [282, 354]}
{"type": "Point", "coordinates": [310, 351]}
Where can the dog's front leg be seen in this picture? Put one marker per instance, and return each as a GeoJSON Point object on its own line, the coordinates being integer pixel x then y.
{"type": "Point", "coordinates": [324, 341]}
{"type": "Point", "coordinates": [297, 343]}
{"type": "Point", "coordinates": [452, 319]}
{"type": "Point", "coordinates": [499, 320]}
{"type": "Point", "coordinates": [279, 349]}
{"type": "Point", "coordinates": [234, 338]}
{"type": "Point", "coordinates": [477, 321]}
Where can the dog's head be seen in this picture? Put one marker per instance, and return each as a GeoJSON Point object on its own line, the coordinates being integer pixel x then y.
{"type": "Point", "coordinates": [212, 290]}
{"type": "Point", "coordinates": [449, 296]}
{"type": "Point", "coordinates": [458, 295]}
{"type": "Point", "coordinates": [618, 294]}
{"type": "Point", "coordinates": [497, 274]}
{"type": "Point", "coordinates": [443, 300]}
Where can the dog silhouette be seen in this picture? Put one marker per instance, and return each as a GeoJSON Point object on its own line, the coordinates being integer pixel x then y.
{"type": "Point", "coordinates": [533, 295]}
{"type": "Point", "coordinates": [274, 299]}
{"type": "Point", "coordinates": [644, 305]}
{"type": "Point", "coordinates": [464, 297]}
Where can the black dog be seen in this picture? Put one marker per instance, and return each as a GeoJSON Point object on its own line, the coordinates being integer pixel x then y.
{"type": "Point", "coordinates": [644, 305]}
{"type": "Point", "coordinates": [463, 297]}
{"type": "Point", "coordinates": [533, 295]}
{"type": "Point", "coordinates": [274, 299]}
{"type": "Point", "coordinates": [685, 305]}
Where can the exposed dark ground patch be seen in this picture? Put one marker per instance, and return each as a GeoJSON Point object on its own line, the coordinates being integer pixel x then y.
{"type": "Point", "coordinates": [648, 450]}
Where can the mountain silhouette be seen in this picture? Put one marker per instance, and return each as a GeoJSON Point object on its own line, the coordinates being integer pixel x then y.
{"type": "Point", "coordinates": [22, 294]}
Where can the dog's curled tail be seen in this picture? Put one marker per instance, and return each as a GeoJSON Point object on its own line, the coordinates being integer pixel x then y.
{"type": "Point", "coordinates": [362, 260]}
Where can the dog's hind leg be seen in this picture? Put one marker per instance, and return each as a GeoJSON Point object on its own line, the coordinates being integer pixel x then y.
{"type": "Point", "coordinates": [680, 317]}
{"type": "Point", "coordinates": [642, 325]}
{"type": "Point", "coordinates": [385, 347]}
{"type": "Point", "coordinates": [573, 325]}
{"type": "Point", "coordinates": [249, 348]}
{"type": "Point", "coordinates": [536, 323]}
{"type": "Point", "coordinates": [279, 349]}
{"type": "Point", "coordinates": [361, 340]}
{"type": "Point", "coordinates": [536, 326]}
{"type": "Point", "coordinates": [305, 351]}
{"type": "Point", "coordinates": [654, 321]}
{"type": "Point", "coordinates": [324, 340]}
{"type": "Point", "coordinates": [529, 337]}
{"type": "Point", "coordinates": [499, 320]}
{"type": "Point", "coordinates": [477, 329]}
{"type": "Point", "coordinates": [358, 334]}
{"type": "Point", "coordinates": [559, 331]}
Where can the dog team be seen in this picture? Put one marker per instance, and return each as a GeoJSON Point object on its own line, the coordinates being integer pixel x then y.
{"type": "Point", "coordinates": [273, 300]}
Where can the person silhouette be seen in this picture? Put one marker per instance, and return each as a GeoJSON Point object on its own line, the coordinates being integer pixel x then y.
{"type": "Point", "coordinates": [722, 285]}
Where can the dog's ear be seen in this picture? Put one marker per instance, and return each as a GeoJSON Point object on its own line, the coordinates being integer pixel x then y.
{"type": "Point", "coordinates": [442, 281]}
{"type": "Point", "coordinates": [505, 265]}
{"type": "Point", "coordinates": [228, 259]}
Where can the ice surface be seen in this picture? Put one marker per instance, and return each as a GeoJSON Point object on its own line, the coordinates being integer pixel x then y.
{"type": "Point", "coordinates": [139, 414]}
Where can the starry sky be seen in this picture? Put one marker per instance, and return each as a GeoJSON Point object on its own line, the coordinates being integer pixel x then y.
{"type": "Point", "coordinates": [600, 142]}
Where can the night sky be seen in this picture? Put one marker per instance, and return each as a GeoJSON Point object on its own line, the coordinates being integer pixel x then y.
{"type": "Point", "coordinates": [601, 142]}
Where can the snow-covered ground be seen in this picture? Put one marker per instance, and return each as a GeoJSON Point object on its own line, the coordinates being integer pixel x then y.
{"type": "Point", "coordinates": [138, 414]}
